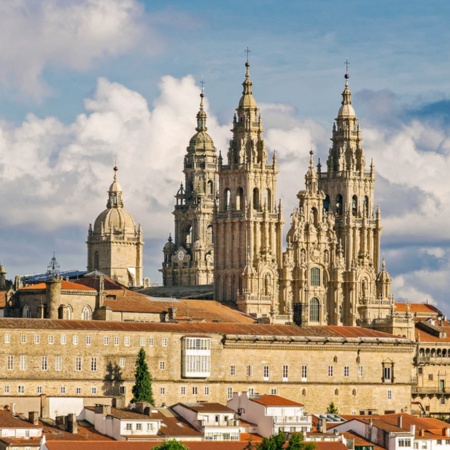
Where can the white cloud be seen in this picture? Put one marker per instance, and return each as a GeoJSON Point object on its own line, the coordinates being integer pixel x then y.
{"type": "Point", "coordinates": [36, 34]}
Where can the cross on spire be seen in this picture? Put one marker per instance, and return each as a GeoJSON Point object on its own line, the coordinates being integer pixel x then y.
{"type": "Point", "coordinates": [203, 85]}
{"type": "Point", "coordinates": [347, 63]}
{"type": "Point", "coordinates": [247, 50]}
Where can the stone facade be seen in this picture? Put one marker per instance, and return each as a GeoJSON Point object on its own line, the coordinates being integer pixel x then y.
{"type": "Point", "coordinates": [189, 259]}
{"type": "Point", "coordinates": [248, 225]}
{"type": "Point", "coordinates": [115, 243]}
{"type": "Point", "coordinates": [312, 366]}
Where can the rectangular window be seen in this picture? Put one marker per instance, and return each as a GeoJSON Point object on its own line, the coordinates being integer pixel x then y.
{"type": "Point", "coordinates": [23, 338]}
{"type": "Point", "coordinates": [78, 390]}
{"type": "Point", "coordinates": [430, 376]}
{"type": "Point", "coordinates": [7, 338]}
{"type": "Point", "coordinates": [315, 276]}
{"type": "Point", "coordinates": [105, 340]}
{"type": "Point", "coordinates": [194, 390]}
{"type": "Point", "coordinates": [389, 394]}
{"type": "Point", "coordinates": [249, 371]}
{"type": "Point", "coordinates": [229, 393]}
{"type": "Point", "coordinates": [88, 340]}
{"type": "Point", "coordinates": [44, 363]}
{"type": "Point", "coordinates": [162, 390]}
{"type": "Point", "coordinates": [387, 374]}
{"type": "Point", "coordinates": [304, 373]}
{"type": "Point", "coordinates": [251, 391]}
{"type": "Point", "coordinates": [10, 362]}
{"type": "Point", "coordinates": [21, 389]}
{"type": "Point", "coordinates": [164, 342]}
{"type": "Point", "coordinates": [63, 339]}
{"type": "Point", "coordinates": [122, 390]}
{"type": "Point", "coordinates": [37, 339]}
{"type": "Point", "coordinates": [94, 364]}
{"type": "Point", "coordinates": [162, 365]}
{"type": "Point", "coordinates": [39, 390]}
{"type": "Point", "coordinates": [23, 362]}
{"type": "Point", "coordinates": [151, 342]}
{"type": "Point", "coordinates": [58, 363]}
{"type": "Point", "coordinates": [232, 370]}
{"type": "Point", "coordinates": [122, 362]}
{"type": "Point", "coordinates": [62, 390]}
{"type": "Point", "coordinates": [75, 340]}
{"type": "Point", "coordinates": [116, 340]}
{"type": "Point", "coordinates": [206, 390]}
{"type": "Point", "coordinates": [93, 390]}
{"type": "Point", "coordinates": [285, 372]}
{"type": "Point", "coordinates": [360, 371]}
{"type": "Point", "coordinates": [126, 341]}
{"type": "Point", "coordinates": [6, 389]}
{"type": "Point", "coordinates": [346, 371]}
{"type": "Point", "coordinates": [183, 390]}
{"type": "Point", "coordinates": [196, 357]}
{"type": "Point", "coordinates": [51, 339]}
{"type": "Point", "coordinates": [330, 371]}
{"type": "Point", "coordinates": [273, 391]}
{"type": "Point", "coordinates": [266, 372]}
{"type": "Point", "coordinates": [78, 364]}
{"type": "Point", "coordinates": [139, 427]}
{"type": "Point", "coordinates": [142, 341]}
{"type": "Point", "coordinates": [129, 426]}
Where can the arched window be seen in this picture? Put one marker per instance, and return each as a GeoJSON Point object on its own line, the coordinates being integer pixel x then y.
{"type": "Point", "coordinates": [336, 392]}
{"type": "Point", "coordinates": [209, 232]}
{"type": "Point", "coordinates": [339, 204]}
{"type": "Point", "coordinates": [86, 313]}
{"type": "Point", "coordinates": [315, 276]}
{"type": "Point", "coordinates": [240, 199]}
{"type": "Point", "coordinates": [96, 261]}
{"type": "Point", "coordinates": [267, 285]}
{"type": "Point", "coordinates": [326, 203]}
{"type": "Point", "coordinates": [256, 198]}
{"type": "Point", "coordinates": [314, 310]}
{"type": "Point", "coordinates": [303, 392]}
{"type": "Point", "coordinates": [210, 188]}
{"type": "Point", "coordinates": [26, 312]}
{"type": "Point", "coordinates": [354, 205]}
{"type": "Point", "coordinates": [188, 235]}
{"type": "Point", "coordinates": [314, 216]}
{"type": "Point", "coordinates": [227, 199]}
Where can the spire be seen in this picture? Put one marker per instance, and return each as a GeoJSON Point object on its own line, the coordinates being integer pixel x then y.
{"type": "Point", "coordinates": [247, 100]}
{"type": "Point", "coordinates": [311, 175]}
{"type": "Point", "coordinates": [115, 193]}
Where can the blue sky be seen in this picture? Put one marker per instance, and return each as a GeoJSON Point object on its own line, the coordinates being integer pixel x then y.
{"type": "Point", "coordinates": [82, 81]}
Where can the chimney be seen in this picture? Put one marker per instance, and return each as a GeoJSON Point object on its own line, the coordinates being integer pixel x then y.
{"type": "Point", "coordinates": [413, 430]}
{"type": "Point", "coordinates": [322, 426]}
{"type": "Point", "coordinates": [445, 431]}
{"type": "Point", "coordinates": [421, 432]}
{"type": "Point", "coordinates": [103, 409]}
{"type": "Point", "coordinates": [400, 421]}
{"type": "Point", "coordinates": [61, 422]}
{"type": "Point", "coordinates": [172, 313]}
{"type": "Point", "coordinates": [33, 417]}
{"type": "Point", "coordinates": [72, 424]}
{"type": "Point", "coordinates": [12, 408]}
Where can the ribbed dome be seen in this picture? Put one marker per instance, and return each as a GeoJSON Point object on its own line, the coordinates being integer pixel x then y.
{"type": "Point", "coordinates": [247, 100]}
{"type": "Point", "coordinates": [116, 220]}
{"type": "Point", "coordinates": [201, 140]}
{"type": "Point", "coordinates": [346, 110]}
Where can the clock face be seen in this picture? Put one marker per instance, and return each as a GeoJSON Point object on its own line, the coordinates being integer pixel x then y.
{"type": "Point", "coordinates": [181, 255]}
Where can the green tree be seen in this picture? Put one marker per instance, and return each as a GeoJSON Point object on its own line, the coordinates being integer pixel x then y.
{"type": "Point", "coordinates": [171, 445]}
{"type": "Point", "coordinates": [142, 389]}
{"type": "Point", "coordinates": [275, 442]}
{"type": "Point", "coordinates": [296, 443]}
{"type": "Point", "coordinates": [332, 409]}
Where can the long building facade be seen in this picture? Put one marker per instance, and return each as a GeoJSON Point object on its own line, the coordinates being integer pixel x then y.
{"type": "Point", "coordinates": [358, 369]}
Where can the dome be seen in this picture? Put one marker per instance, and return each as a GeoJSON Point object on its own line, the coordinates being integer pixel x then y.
{"type": "Point", "coordinates": [201, 141]}
{"type": "Point", "coordinates": [346, 111]}
{"type": "Point", "coordinates": [115, 220]}
{"type": "Point", "coordinates": [247, 100]}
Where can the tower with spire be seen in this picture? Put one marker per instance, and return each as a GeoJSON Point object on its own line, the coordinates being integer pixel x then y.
{"type": "Point", "coordinates": [189, 257]}
{"type": "Point", "coordinates": [348, 189]}
{"type": "Point", "coordinates": [115, 243]}
{"type": "Point", "coordinates": [248, 224]}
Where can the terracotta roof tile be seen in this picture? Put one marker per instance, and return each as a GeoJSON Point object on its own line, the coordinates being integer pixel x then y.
{"type": "Point", "coordinates": [417, 308]}
{"type": "Point", "coordinates": [147, 445]}
{"type": "Point", "coordinates": [273, 400]}
{"type": "Point", "coordinates": [65, 285]}
{"type": "Point", "coordinates": [7, 420]}
{"type": "Point", "coordinates": [207, 407]}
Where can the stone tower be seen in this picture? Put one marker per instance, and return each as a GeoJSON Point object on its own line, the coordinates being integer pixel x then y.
{"type": "Point", "coordinates": [349, 195]}
{"type": "Point", "coordinates": [248, 225]}
{"type": "Point", "coordinates": [189, 260]}
{"type": "Point", "coordinates": [114, 243]}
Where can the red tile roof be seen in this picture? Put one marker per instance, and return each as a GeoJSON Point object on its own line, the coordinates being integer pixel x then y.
{"type": "Point", "coordinates": [7, 420]}
{"type": "Point", "coordinates": [147, 445]}
{"type": "Point", "coordinates": [207, 407]}
{"type": "Point", "coordinates": [417, 308]}
{"type": "Point", "coordinates": [65, 286]}
{"type": "Point", "coordinates": [274, 400]}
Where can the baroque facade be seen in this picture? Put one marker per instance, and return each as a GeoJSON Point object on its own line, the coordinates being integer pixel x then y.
{"type": "Point", "coordinates": [115, 243]}
{"type": "Point", "coordinates": [331, 271]}
{"type": "Point", "coordinates": [189, 259]}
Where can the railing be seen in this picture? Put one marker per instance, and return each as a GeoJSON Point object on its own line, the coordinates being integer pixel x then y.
{"type": "Point", "coordinates": [432, 390]}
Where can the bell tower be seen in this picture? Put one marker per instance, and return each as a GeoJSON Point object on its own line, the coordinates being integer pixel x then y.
{"type": "Point", "coordinates": [248, 224]}
{"type": "Point", "coordinates": [349, 195]}
{"type": "Point", "coordinates": [189, 260]}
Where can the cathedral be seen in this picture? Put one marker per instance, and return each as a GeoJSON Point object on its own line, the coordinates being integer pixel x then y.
{"type": "Point", "coordinates": [229, 227]}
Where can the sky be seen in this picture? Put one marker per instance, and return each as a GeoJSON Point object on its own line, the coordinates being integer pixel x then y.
{"type": "Point", "coordinates": [86, 82]}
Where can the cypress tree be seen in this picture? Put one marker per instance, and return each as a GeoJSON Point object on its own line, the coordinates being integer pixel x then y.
{"type": "Point", "coordinates": [142, 389]}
